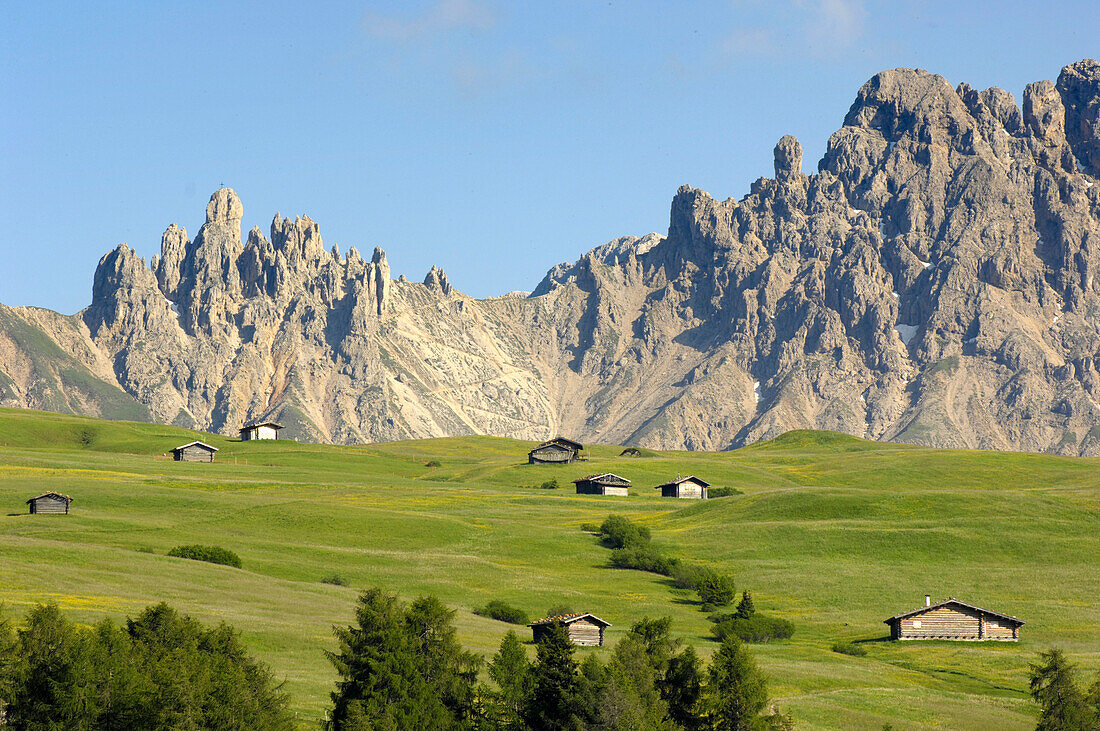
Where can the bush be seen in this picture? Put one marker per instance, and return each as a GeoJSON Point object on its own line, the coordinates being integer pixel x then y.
{"type": "Point", "coordinates": [757, 628]}
{"type": "Point", "coordinates": [335, 580]}
{"type": "Point", "coordinates": [643, 558]}
{"type": "Point", "coordinates": [714, 492]}
{"type": "Point", "coordinates": [590, 528]}
{"type": "Point", "coordinates": [716, 589]}
{"type": "Point", "coordinates": [849, 648]}
{"type": "Point", "coordinates": [550, 485]}
{"type": "Point", "coordinates": [209, 554]}
{"type": "Point", "coordinates": [689, 575]}
{"type": "Point", "coordinates": [433, 463]}
{"type": "Point", "coordinates": [502, 612]}
{"type": "Point", "coordinates": [559, 609]}
{"type": "Point", "coordinates": [618, 532]}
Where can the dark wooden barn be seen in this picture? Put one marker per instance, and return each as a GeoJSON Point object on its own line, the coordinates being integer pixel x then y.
{"type": "Point", "coordinates": [50, 502]}
{"type": "Point", "coordinates": [558, 450]}
{"type": "Point", "coordinates": [605, 484]}
{"type": "Point", "coordinates": [953, 620]}
{"type": "Point", "coordinates": [690, 487]}
{"type": "Point", "coordinates": [194, 452]}
{"type": "Point", "coordinates": [584, 629]}
{"type": "Point", "coordinates": [260, 430]}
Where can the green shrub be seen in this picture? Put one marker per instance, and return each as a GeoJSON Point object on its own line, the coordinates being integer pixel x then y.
{"type": "Point", "coordinates": [559, 609]}
{"type": "Point", "coordinates": [849, 648]}
{"type": "Point", "coordinates": [209, 554]}
{"type": "Point", "coordinates": [757, 628]}
{"type": "Point", "coordinates": [590, 528]}
{"type": "Point", "coordinates": [619, 532]}
{"type": "Point", "coordinates": [335, 580]}
{"type": "Point", "coordinates": [502, 612]}
{"type": "Point", "coordinates": [716, 589]}
{"type": "Point", "coordinates": [643, 558]}
{"type": "Point", "coordinates": [745, 608]}
{"type": "Point", "coordinates": [433, 463]}
{"type": "Point", "coordinates": [550, 485]}
{"type": "Point", "coordinates": [714, 492]}
{"type": "Point", "coordinates": [689, 575]}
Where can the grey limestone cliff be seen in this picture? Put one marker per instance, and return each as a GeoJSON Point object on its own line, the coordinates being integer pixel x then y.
{"type": "Point", "coordinates": [934, 281]}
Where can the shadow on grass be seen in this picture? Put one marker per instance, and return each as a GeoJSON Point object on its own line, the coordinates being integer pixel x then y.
{"type": "Point", "coordinates": [887, 638]}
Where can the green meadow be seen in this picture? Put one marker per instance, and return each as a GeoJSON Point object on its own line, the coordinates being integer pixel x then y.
{"type": "Point", "coordinates": [832, 532]}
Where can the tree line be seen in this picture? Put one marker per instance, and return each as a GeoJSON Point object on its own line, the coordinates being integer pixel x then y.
{"type": "Point", "coordinates": [401, 666]}
{"type": "Point", "coordinates": [159, 671]}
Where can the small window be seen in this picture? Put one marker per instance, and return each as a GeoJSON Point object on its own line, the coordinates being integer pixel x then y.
{"type": "Point", "coordinates": [916, 624]}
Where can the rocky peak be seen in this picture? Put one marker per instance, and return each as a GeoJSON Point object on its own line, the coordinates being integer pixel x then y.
{"type": "Point", "coordinates": [1044, 114]}
{"type": "Point", "coordinates": [225, 208]}
{"type": "Point", "coordinates": [173, 249]}
{"type": "Point", "coordinates": [436, 279]}
{"type": "Point", "coordinates": [788, 158]}
{"type": "Point", "coordinates": [1079, 87]}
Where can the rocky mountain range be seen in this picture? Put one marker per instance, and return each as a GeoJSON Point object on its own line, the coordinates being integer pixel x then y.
{"type": "Point", "coordinates": [935, 282]}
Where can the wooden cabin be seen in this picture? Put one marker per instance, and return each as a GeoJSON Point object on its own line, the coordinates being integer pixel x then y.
{"type": "Point", "coordinates": [605, 484]}
{"type": "Point", "coordinates": [260, 430]}
{"type": "Point", "coordinates": [690, 487]}
{"type": "Point", "coordinates": [50, 502]}
{"type": "Point", "coordinates": [953, 620]}
{"type": "Point", "coordinates": [584, 629]}
{"type": "Point", "coordinates": [194, 452]}
{"type": "Point", "coordinates": [558, 450]}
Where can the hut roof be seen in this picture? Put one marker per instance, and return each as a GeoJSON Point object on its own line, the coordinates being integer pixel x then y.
{"type": "Point", "coordinates": [681, 480]}
{"type": "Point", "coordinates": [201, 445]}
{"type": "Point", "coordinates": [66, 498]}
{"type": "Point", "coordinates": [561, 441]}
{"type": "Point", "coordinates": [569, 619]}
{"type": "Point", "coordinates": [255, 424]}
{"type": "Point", "coordinates": [603, 477]}
{"type": "Point", "coordinates": [956, 602]}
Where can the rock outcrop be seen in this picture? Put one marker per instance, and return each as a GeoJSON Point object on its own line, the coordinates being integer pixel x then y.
{"type": "Point", "coordinates": [935, 281]}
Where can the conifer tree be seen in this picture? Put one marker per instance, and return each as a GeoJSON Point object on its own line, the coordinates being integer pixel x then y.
{"type": "Point", "coordinates": [511, 671]}
{"type": "Point", "coordinates": [381, 682]}
{"type": "Point", "coordinates": [745, 607]}
{"type": "Point", "coordinates": [736, 692]}
{"type": "Point", "coordinates": [553, 704]}
{"type": "Point", "coordinates": [682, 689]}
{"type": "Point", "coordinates": [1062, 706]}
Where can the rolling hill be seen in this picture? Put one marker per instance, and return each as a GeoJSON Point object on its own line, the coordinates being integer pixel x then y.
{"type": "Point", "coordinates": [832, 532]}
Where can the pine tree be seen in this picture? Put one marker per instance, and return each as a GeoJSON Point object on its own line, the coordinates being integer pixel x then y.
{"type": "Point", "coordinates": [553, 703]}
{"type": "Point", "coordinates": [8, 658]}
{"type": "Point", "coordinates": [630, 697]}
{"type": "Point", "coordinates": [381, 682]}
{"type": "Point", "coordinates": [1062, 707]}
{"type": "Point", "coordinates": [511, 671]}
{"type": "Point", "coordinates": [1092, 698]}
{"type": "Point", "coordinates": [450, 670]}
{"type": "Point", "coordinates": [682, 689]}
{"type": "Point", "coordinates": [745, 608]}
{"type": "Point", "coordinates": [736, 691]}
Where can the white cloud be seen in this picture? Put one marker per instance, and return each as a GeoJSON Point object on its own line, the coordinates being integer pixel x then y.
{"type": "Point", "coordinates": [444, 16]}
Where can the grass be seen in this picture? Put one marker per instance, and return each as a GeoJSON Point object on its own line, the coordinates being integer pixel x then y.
{"type": "Point", "coordinates": [831, 532]}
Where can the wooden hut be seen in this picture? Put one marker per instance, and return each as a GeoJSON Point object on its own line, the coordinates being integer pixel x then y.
{"type": "Point", "coordinates": [605, 484]}
{"type": "Point", "coordinates": [194, 452]}
{"type": "Point", "coordinates": [260, 430]}
{"type": "Point", "coordinates": [558, 450]}
{"type": "Point", "coordinates": [631, 452]}
{"type": "Point", "coordinates": [50, 502]}
{"type": "Point", "coordinates": [953, 620]}
{"type": "Point", "coordinates": [584, 629]}
{"type": "Point", "coordinates": [690, 487]}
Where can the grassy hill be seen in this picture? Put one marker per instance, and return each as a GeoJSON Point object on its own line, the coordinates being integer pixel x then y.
{"type": "Point", "coordinates": [831, 532]}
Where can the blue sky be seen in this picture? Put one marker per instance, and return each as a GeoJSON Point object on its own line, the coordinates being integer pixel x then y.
{"type": "Point", "coordinates": [493, 139]}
